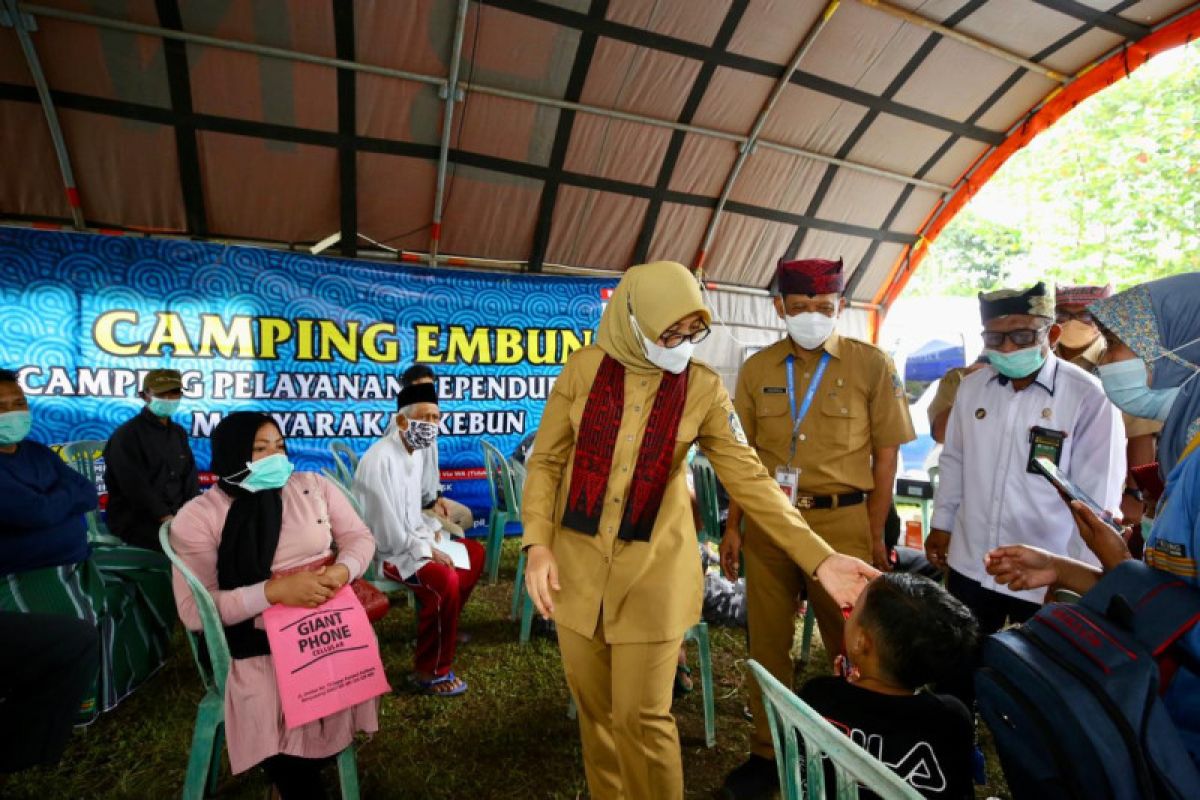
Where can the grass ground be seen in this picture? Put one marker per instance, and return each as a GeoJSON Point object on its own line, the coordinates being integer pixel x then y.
{"type": "Point", "coordinates": [508, 737]}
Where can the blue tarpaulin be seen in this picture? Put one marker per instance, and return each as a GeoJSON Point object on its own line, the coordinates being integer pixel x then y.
{"type": "Point", "coordinates": [933, 360]}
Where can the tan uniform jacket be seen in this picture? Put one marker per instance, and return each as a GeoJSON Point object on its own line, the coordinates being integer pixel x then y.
{"type": "Point", "coordinates": [859, 405]}
{"type": "Point", "coordinates": [649, 591]}
{"type": "Point", "coordinates": [947, 390]}
{"type": "Point", "coordinates": [1088, 360]}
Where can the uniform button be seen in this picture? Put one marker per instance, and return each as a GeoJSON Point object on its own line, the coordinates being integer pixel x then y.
{"type": "Point", "coordinates": [805, 375]}
{"type": "Point", "coordinates": [629, 438]}
{"type": "Point", "coordinates": [803, 436]}
{"type": "Point", "coordinates": [637, 408]}
{"type": "Point", "coordinates": [625, 469]}
{"type": "Point", "coordinates": [643, 383]}
{"type": "Point", "coordinates": [845, 410]}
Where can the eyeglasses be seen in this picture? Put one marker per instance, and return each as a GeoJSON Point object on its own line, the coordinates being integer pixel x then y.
{"type": "Point", "coordinates": [1022, 337]}
{"type": "Point", "coordinates": [1063, 317]}
{"type": "Point", "coordinates": [671, 339]}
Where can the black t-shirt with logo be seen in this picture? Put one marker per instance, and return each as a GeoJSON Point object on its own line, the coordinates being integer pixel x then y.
{"type": "Point", "coordinates": [927, 739]}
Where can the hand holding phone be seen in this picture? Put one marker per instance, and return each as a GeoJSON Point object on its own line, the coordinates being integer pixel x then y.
{"type": "Point", "coordinates": [1067, 488]}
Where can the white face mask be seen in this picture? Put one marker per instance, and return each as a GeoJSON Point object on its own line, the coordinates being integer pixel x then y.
{"type": "Point", "coordinates": [670, 359]}
{"type": "Point", "coordinates": [810, 329]}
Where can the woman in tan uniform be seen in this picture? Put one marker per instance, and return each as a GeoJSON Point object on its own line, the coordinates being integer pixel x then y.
{"type": "Point", "coordinates": [608, 525]}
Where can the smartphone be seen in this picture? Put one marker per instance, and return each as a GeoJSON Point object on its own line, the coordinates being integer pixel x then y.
{"type": "Point", "coordinates": [1051, 472]}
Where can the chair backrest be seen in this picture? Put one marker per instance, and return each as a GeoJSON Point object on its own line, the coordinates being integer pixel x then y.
{"type": "Point", "coordinates": [705, 481]}
{"type": "Point", "coordinates": [518, 474]}
{"type": "Point", "coordinates": [792, 719]}
{"type": "Point", "coordinates": [214, 672]}
{"type": "Point", "coordinates": [345, 459]}
{"type": "Point", "coordinates": [82, 456]}
{"type": "Point", "coordinates": [349, 494]}
{"type": "Point", "coordinates": [499, 476]}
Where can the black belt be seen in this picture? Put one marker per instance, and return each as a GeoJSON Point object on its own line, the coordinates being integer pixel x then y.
{"type": "Point", "coordinates": [804, 502]}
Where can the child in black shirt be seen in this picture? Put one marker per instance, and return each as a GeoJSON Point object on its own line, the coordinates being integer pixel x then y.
{"type": "Point", "coordinates": [905, 633]}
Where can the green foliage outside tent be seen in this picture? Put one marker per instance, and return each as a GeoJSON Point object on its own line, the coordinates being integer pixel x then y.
{"type": "Point", "coordinates": [1110, 193]}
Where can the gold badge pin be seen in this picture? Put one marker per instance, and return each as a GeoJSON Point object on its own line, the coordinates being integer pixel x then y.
{"type": "Point", "coordinates": [1045, 413]}
{"type": "Point", "coordinates": [980, 413]}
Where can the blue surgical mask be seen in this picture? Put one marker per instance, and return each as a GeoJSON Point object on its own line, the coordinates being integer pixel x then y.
{"type": "Point", "coordinates": [1019, 363]}
{"type": "Point", "coordinates": [1126, 384]}
{"type": "Point", "coordinates": [271, 472]}
{"type": "Point", "coordinates": [162, 407]}
{"type": "Point", "coordinates": [14, 427]}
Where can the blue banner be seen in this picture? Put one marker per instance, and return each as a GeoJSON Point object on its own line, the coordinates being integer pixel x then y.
{"type": "Point", "coordinates": [319, 343]}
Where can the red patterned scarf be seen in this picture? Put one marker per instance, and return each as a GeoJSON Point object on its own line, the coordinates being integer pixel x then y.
{"type": "Point", "coordinates": [594, 453]}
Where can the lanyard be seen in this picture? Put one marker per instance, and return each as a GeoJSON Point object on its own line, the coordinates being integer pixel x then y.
{"type": "Point", "coordinates": [799, 416]}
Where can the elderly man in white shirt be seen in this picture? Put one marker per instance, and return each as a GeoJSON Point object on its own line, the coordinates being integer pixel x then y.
{"type": "Point", "coordinates": [433, 501]}
{"type": "Point", "coordinates": [988, 495]}
{"type": "Point", "coordinates": [413, 547]}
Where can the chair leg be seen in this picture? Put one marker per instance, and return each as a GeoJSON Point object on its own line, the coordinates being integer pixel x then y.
{"type": "Point", "coordinates": [806, 636]}
{"type": "Point", "coordinates": [494, 546]}
{"type": "Point", "coordinates": [214, 767]}
{"type": "Point", "coordinates": [526, 619]}
{"type": "Point", "coordinates": [205, 739]}
{"type": "Point", "coordinates": [348, 773]}
{"type": "Point", "coordinates": [518, 587]}
{"type": "Point", "coordinates": [706, 682]}
{"type": "Point", "coordinates": [572, 709]}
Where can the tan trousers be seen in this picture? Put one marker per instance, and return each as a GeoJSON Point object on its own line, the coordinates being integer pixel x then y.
{"type": "Point", "coordinates": [623, 693]}
{"type": "Point", "coordinates": [773, 582]}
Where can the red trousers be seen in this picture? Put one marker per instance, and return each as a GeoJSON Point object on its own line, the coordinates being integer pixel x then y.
{"type": "Point", "coordinates": [441, 593]}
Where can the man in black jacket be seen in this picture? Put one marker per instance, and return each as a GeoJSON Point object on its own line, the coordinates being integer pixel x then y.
{"type": "Point", "coordinates": [149, 468]}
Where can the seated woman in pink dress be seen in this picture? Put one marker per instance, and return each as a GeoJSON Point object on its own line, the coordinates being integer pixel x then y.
{"type": "Point", "coordinates": [260, 520]}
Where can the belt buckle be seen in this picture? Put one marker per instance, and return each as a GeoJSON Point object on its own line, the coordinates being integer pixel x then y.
{"type": "Point", "coordinates": [805, 502]}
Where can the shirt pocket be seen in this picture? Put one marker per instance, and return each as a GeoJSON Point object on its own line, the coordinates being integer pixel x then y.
{"type": "Point", "coordinates": [844, 421]}
{"type": "Point", "coordinates": [773, 424]}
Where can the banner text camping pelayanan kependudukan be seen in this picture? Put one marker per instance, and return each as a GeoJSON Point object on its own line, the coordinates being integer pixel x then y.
{"type": "Point", "coordinates": [319, 343]}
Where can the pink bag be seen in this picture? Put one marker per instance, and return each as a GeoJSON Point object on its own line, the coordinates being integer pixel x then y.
{"type": "Point", "coordinates": [326, 658]}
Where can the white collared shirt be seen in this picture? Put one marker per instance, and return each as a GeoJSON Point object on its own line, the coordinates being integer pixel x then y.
{"type": "Point", "coordinates": [387, 485]}
{"type": "Point", "coordinates": [986, 497]}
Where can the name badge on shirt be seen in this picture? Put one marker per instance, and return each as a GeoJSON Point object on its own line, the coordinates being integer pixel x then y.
{"type": "Point", "coordinates": [788, 479]}
{"type": "Point", "coordinates": [774, 390]}
{"type": "Point", "coordinates": [1044, 443]}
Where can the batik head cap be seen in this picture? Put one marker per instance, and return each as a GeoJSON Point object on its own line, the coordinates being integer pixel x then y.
{"type": "Point", "coordinates": [1081, 295]}
{"type": "Point", "coordinates": [1034, 301]}
{"type": "Point", "coordinates": [809, 276]}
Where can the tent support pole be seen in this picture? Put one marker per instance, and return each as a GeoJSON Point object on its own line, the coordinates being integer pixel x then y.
{"type": "Point", "coordinates": [451, 89]}
{"type": "Point", "coordinates": [751, 141]}
{"type": "Point", "coordinates": [463, 86]}
{"type": "Point", "coordinates": [23, 25]}
{"type": "Point", "coordinates": [914, 18]}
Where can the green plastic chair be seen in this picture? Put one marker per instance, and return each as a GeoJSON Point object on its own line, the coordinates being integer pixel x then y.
{"type": "Point", "coordinates": [82, 456]}
{"type": "Point", "coordinates": [792, 720]}
{"type": "Point", "coordinates": [345, 461]}
{"type": "Point", "coordinates": [704, 479]}
{"type": "Point", "coordinates": [521, 601]}
{"type": "Point", "coordinates": [505, 516]}
{"type": "Point", "coordinates": [208, 737]}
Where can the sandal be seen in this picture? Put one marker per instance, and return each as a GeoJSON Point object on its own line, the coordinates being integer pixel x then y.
{"type": "Point", "coordinates": [683, 680]}
{"type": "Point", "coordinates": [429, 687]}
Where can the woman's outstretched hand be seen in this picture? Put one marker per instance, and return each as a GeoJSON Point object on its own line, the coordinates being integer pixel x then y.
{"type": "Point", "coordinates": [844, 578]}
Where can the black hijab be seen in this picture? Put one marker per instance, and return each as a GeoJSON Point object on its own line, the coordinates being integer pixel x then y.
{"type": "Point", "coordinates": [251, 531]}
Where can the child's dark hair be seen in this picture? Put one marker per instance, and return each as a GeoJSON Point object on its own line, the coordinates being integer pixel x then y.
{"type": "Point", "coordinates": [8, 376]}
{"type": "Point", "coordinates": [923, 633]}
{"type": "Point", "coordinates": [415, 373]}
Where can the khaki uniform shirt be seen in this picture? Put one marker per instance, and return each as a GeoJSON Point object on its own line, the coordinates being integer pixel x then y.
{"type": "Point", "coordinates": [859, 405]}
{"type": "Point", "coordinates": [947, 390]}
{"type": "Point", "coordinates": [648, 591]}
{"type": "Point", "coordinates": [1089, 360]}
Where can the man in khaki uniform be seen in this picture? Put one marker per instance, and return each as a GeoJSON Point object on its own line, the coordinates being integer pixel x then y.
{"type": "Point", "coordinates": [838, 463]}
{"type": "Point", "coordinates": [609, 535]}
{"type": "Point", "coordinates": [1082, 345]}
